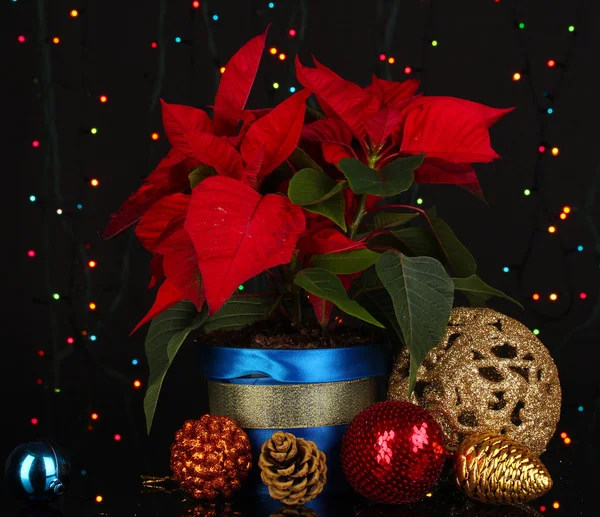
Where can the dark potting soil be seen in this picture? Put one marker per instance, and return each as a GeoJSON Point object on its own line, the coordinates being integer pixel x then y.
{"type": "Point", "coordinates": [285, 334]}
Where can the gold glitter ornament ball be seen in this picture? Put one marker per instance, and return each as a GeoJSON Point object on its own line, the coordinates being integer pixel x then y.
{"type": "Point", "coordinates": [489, 373]}
{"type": "Point", "coordinates": [211, 457]}
{"type": "Point", "coordinates": [496, 469]}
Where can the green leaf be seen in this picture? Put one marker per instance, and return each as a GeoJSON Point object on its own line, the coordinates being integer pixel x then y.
{"type": "Point", "coordinates": [478, 291]}
{"type": "Point", "coordinates": [345, 263]}
{"type": "Point", "coordinates": [380, 303]}
{"type": "Point", "coordinates": [271, 309]}
{"type": "Point", "coordinates": [387, 241]}
{"type": "Point", "coordinates": [332, 208]}
{"type": "Point", "coordinates": [394, 178]}
{"type": "Point", "coordinates": [301, 160]}
{"type": "Point", "coordinates": [369, 280]}
{"type": "Point", "coordinates": [389, 220]}
{"type": "Point", "coordinates": [165, 336]}
{"type": "Point", "coordinates": [238, 312]}
{"type": "Point", "coordinates": [422, 294]}
{"type": "Point", "coordinates": [324, 284]}
{"type": "Point", "coordinates": [200, 173]}
{"type": "Point", "coordinates": [459, 258]}
{"type": "Point", "coordinates": [312, 186]}
{"type": "Point", "coordinates": [420, 242]}
{"type": "Point", "coordinates": [369, 291]}
{"type": "Point", "coordinates": [475, 300]}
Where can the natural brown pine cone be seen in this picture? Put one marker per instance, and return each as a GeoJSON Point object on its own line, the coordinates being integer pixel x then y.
{"type": "Point", "coordinates": [294, 511]}
{"type": "Point", "coordinates": [294, 469]}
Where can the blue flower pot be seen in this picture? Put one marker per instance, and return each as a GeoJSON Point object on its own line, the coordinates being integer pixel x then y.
{"type": "Point", "coordinates": [313, 394]}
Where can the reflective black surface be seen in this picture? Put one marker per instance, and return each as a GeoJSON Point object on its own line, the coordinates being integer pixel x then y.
{"type": "Point", "coordinates": [123, 494]}
{"type": "Point", "coordinates": [104, 466]}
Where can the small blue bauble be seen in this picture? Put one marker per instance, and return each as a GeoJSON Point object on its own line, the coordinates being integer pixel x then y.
{"type": "Point", "coordinates": [37, 472]}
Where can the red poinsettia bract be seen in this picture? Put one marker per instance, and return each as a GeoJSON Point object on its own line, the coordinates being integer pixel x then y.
{"type": "Point", "coordinates": [211, 137]}
{"type": "Point", "coordinates": [387, 120]}
{"type": "Point", "coordinates": [207, 242]}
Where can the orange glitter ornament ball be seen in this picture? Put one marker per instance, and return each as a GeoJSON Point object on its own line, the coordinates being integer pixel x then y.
{"type": "Point", "coordinates": [211, 457]}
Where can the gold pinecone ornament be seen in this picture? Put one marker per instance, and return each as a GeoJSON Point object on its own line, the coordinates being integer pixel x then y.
{"type": "Point", "coordinates": [294, 469]}
{"type": "Point", "coordinates": [496, 469]}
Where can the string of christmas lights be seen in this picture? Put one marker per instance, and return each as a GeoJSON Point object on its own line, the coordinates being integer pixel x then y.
{"type": "Point", "coordinates": [209, 18]}
{"type": "Point", "coordinates": [76, 301]}
{"type": "Point", "coordinates": [296, 32]}
{"type": "Point", "coordinates": [546, 220]}
{"type": "Point", "coordinates": [50, 185]}
{"type": "Point", "coordinates": [591, 223]}
{"type": "Point", "coordinates": [73, 302]}
{"type": "Point", "coordinates": [159, 46]}
{"type": "Point", "coordinates": [426, 45]}
{"type": "Point", "coordinates": [387, 16]}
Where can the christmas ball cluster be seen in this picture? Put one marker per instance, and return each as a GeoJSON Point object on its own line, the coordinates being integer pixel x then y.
{"type": "Point", "coordinates": [487, 398]}
{"type": "Point", "coordinates": [211, 457]}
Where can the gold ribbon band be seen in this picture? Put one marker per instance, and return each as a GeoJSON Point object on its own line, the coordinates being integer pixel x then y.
{"type": "Point", "coordinates": [285, 406]}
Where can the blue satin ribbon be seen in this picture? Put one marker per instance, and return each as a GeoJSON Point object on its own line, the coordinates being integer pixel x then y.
{"type": "Point", "coordinates": [269, 366]}
{"type": "Point", "coordinates": [294, 366]}
{"type": "Point", "coordinates": [328, 439]}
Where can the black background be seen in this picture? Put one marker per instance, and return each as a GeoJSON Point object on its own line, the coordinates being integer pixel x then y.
{"type": "Point", "coordinates": [106, 51]}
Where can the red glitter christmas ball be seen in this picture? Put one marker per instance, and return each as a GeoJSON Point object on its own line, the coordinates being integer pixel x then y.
{"type": "Point", "coordinates": [393, 452]}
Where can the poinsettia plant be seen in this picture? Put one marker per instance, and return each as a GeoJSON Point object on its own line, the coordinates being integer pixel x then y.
{"type": "Point", "coordinates": [302, 197]}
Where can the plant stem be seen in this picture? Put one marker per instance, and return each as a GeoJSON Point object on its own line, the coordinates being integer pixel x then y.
{"type": "Point", "coordinates": [280, 306]}
{"type": "Point", "coordinates": [376, 233]}
{"type": "Point", "coordinates": [372, 159]}
{"type": "Point", "coordinates": [383, 248]}
{"type": "Point", "coordinates": [298, 301]}
{"type": "Point", "coordinates": [420, 211]}
{"type": "Point", "coordinates": [387, 159]}
{"type": "Point", "coordinates": [272, 276]}
{"type": "Point", "coordinates": [360, 213]}
{"type": "Point", "coordinates": [294, 290]}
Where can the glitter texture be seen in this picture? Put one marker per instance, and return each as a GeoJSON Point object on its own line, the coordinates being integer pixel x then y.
{"type": "Point", "coordinates": [496, 469]}
{"type": "Point", "coordinates": [210, 457]}
{"type": "Point", "coordinates": [292, 405]}
{"type": "Point", "coordinates": [489, 373]}
{"type": "Point", "coordinates": [393, 452]}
